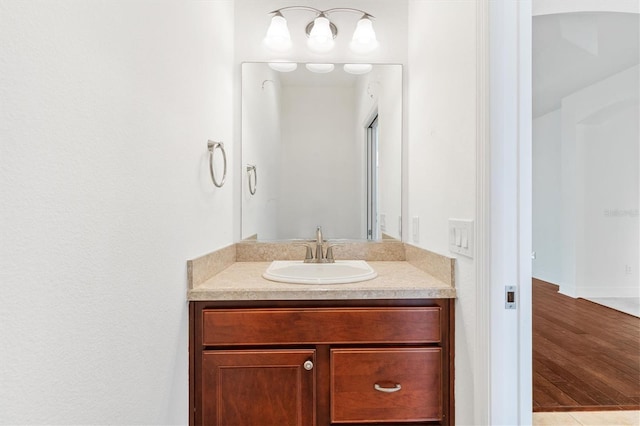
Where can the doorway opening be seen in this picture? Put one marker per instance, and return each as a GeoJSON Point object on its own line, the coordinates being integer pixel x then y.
{"type": "Point", "coordinates": [586, 239]}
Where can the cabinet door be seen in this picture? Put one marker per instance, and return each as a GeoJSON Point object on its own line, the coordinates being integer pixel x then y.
{"type": "Point", "coordinates": [258, 387]}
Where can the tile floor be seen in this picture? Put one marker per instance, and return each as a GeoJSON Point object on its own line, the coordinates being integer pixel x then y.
{"type": "Point", "coordinates": [600, 418]}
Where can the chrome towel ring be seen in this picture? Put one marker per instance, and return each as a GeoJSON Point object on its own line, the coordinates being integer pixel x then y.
{"type": "Point", "coordinates": [212, 145]}
{"type": "Point", "coordinates": [251, 170]}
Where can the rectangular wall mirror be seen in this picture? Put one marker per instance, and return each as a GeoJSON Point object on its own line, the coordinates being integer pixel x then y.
{"type": "Point", "coordinates": [321, 149]}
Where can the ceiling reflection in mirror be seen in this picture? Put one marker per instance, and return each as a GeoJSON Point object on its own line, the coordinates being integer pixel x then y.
{"type": "Point", "coordinates": [321, 149]}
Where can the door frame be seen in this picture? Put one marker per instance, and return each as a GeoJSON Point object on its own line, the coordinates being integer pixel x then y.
{"type": "Point", "coordinates": [503, 365]}
{"type": "Point", "coordinates": [371, 132]}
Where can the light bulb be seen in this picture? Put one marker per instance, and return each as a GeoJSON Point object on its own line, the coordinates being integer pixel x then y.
{"type": "Point", "coordinates": [357, 68]}
{"type": "Point", "coordinates": [278, 37]}
{"type": "Point", "coordinates": [364, 38]}
{"type": "Point", "coordinates": [320, 37]}
{"type": "Point", "coordinates": [283, 66]}
{"type": "Point", "coordinates": [320, 68]}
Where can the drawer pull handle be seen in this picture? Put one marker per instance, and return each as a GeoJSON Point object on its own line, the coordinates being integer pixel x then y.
{"type": "Point", "coordinates": [308, 365]}
{"type": "Point", "coordinates": [396, 388]}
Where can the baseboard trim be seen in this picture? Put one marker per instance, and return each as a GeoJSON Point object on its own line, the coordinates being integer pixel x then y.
{"type": "Point", "coordinates": [601, 292]}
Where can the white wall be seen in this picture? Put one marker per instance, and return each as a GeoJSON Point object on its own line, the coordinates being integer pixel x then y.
{"type": "Point", "coordinates": [547, 197]}
{"type": "Point", "coordinates": [262, 142]}
{"type": "Point", "coordinates": [381, 91]}
{"type": "Point", "coordinates": [105, 111]}
{"type": "Point", "coordinates": [586, 163]}
{"type": "Point", "coordinates": [319, 162]}
{"type": "Point", "coordinates": [610, 186]}
{"type": "Point", "coordinates": [594, 106]}
{"type": "Point", "coordinates": [390, 150]}
{"type": "Point", "coordinates": [441, 152]}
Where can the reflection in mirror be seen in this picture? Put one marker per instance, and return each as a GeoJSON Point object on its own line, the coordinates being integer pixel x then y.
{"type": "Point", "coordinates": [328, 149]}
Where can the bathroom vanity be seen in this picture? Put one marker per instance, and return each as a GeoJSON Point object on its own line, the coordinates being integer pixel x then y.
{"type": "Point", "coordinates": [269, 353]}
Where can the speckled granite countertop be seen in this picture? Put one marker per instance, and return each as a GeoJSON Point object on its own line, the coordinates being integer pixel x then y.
{"type": "Point", "coordinates": [229, 278]}
{"type": "Point", "coordinates": [395, 280]}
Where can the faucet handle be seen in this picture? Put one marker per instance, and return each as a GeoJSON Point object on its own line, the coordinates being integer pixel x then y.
{"type": "Point", "coordinates": [329, 257]}
{"type": "Point", "coordinates": [308, 257]}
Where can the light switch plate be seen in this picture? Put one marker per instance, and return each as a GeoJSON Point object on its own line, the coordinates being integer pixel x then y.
{"type": "Point", "coordinates": [461, 237]}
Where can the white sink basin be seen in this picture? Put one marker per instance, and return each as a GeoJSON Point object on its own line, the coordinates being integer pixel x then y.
{"type": "Point", "coordinates": [340, 272]}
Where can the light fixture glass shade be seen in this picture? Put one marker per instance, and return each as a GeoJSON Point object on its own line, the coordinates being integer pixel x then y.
{"type": "Point", "coordinates": [357, 68]}
{"type": "Point", "coordinates": [320, 38]}
{"type": "Point", "coordinates": [283, 66]}
{"type": "Point", "coordinates": [364, 38]}
{"type": "Point", "coordinates": [320, 68]}
{"type": "Point", "coordinates": [278, 37]}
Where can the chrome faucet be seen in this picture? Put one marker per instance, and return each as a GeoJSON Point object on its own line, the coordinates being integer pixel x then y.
{"type": "Point", "coordinates": [319, 250]}
{"type": "Point", "coordinates": [320, 254]}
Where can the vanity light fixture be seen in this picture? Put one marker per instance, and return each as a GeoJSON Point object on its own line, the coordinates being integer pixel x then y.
{"type": "Point", "coordinates": [320, 68]}
{"type": "Point", "coordinates": [364, 38]}
{"type": "Point", "coordinates": [321, 35]}
{"type": "Point", "coordinates": [278, 37]}
{"type": "Point", "coordinates": [321, 32]}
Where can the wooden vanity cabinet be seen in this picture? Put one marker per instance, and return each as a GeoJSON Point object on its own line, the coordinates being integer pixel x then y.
{"type": "Point", "coordinates": [321, 362]}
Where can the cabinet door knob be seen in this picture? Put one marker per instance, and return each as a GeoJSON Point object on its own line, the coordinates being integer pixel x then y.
{"type": "Point", "coordinates": [396, 388]}
{"type": "Point", "coordinates": [308, 365]}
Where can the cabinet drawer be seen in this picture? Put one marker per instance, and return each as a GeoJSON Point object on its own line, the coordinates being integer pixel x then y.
{"type": "Point", "coordinates": [386, 385]}
{"type": "Point", "coordinates": [320, 326]}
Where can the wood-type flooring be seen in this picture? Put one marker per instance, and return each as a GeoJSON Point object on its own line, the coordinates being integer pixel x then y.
{"type": "Point", "coordinates": [585, 356]}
